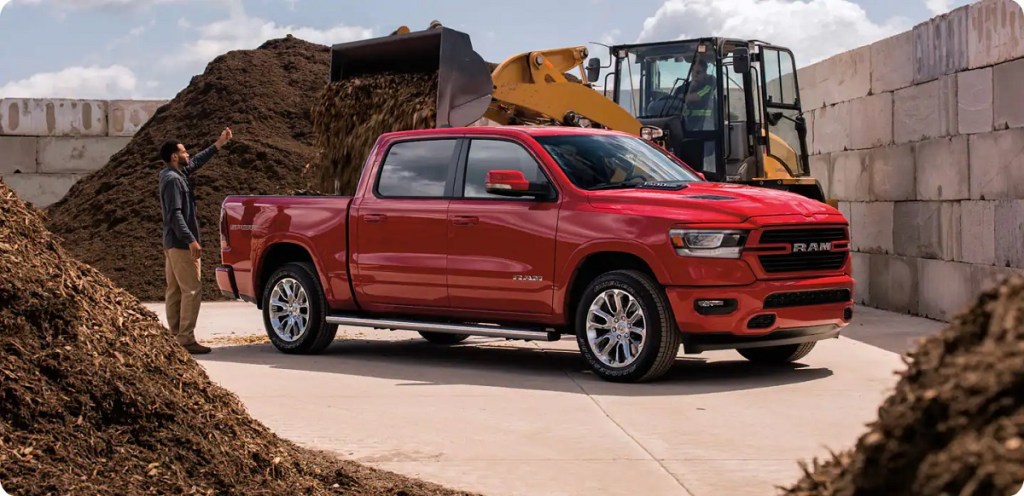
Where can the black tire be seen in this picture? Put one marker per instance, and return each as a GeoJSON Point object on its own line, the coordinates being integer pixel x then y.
{"type": "Point", "coordinates": [443, 338]}
{"type": "Point", "coordinates": [319, 334]}
{"type": "Point", "coordinates": [777, 355]}
{"type": "Point", "coordinates": [662, 336]}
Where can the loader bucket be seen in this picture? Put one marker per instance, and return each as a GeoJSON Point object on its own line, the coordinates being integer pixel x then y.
{"type": "Point", "coordinates": [464, 80]}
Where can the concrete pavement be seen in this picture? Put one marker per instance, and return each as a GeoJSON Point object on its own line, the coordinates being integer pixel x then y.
{"type": "Point", "coordinates": [507, 418]}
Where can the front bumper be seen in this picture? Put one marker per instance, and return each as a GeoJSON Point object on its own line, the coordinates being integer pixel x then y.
{"type": "Point", "coordinates": [793, 319]}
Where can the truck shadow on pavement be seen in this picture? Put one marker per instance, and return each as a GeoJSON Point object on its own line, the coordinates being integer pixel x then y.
{"type": "Point", "coordinates": [492, 363]}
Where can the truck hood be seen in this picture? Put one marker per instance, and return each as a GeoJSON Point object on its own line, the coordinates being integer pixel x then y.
{"type": "Point", "coordinates": [711, 202]}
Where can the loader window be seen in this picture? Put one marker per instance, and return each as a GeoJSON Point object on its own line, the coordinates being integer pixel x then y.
{"type": "Point", "coordinates": [417, 169]}
{"type": "Point", "coordinates": [488, 155]}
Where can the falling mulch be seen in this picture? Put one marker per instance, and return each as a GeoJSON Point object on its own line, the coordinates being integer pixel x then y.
{"type": "Point", "coordinates": [96, 397]}
{"type": "Point", "coordinates": [353, 113]}
{"type": "Point", "coordinates": [111, 219]}
{"type": "Point", "coordinates": [955, 423]}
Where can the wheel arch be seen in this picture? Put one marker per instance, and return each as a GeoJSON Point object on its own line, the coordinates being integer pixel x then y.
{"type": "Point", "coordinates": [276, 255]}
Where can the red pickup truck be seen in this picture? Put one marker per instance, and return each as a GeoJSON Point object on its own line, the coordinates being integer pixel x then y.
{"type": "Point", "coordinates": [536, 233]}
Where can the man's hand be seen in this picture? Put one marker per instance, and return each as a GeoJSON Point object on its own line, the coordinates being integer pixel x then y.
{"type": "Point", "coordinates": [195, 250]}
{"type": "Point", "coordinates": [225, 136]}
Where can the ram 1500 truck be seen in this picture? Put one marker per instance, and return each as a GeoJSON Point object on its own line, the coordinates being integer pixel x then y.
{"type": "Point", "coordinates": [540, 232]}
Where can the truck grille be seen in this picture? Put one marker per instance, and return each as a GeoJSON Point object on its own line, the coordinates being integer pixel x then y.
{"type": "Point", "coordinates": [811, 257]}
{"type": "Point", "coordinates": [805, 298]}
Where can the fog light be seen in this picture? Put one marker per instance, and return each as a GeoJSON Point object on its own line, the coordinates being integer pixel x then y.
{"type": "Point", "coordinates": [715, 307]}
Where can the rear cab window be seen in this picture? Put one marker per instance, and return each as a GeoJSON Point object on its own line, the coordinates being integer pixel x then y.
{"type": "Point", "coordinates": [418, 169]}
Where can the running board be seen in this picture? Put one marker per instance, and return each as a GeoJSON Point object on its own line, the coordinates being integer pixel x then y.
{"type": "Point", "coordinates": [468, 329]}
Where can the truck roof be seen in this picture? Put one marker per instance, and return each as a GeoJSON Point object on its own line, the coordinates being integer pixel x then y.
{"type": "Point", "coordinates": [504, 131]}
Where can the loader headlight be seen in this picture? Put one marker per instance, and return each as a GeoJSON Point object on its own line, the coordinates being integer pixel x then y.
{"type": "Point", "coordinates": [708, 243]}
{"type": "Point", "coordinates": [650, 133]}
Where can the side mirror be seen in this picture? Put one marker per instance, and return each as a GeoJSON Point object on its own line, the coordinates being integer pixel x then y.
{"type": "Point", "coordinates": [741, 60]}
{"type": "Point", "coordinates": [514, 184]}
{"type": "Point", "coordinates": [593, 70]}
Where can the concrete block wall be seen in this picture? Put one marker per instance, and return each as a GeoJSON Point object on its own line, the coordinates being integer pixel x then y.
{"type": "Point", "coordinates": [46, 145]}
{"type": "Point", "coordinates": [921, 139]}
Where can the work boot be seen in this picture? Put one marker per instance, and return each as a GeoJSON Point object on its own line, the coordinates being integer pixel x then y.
{"type": "Point", "coordinates": [197, 349]}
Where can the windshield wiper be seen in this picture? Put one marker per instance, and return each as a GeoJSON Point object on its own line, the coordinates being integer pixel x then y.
{"type": "Point", "coordinates": [617, 186]}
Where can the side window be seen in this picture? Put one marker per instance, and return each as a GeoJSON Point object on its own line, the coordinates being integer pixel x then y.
{"type": "Point", "coordinates": [487, 155]}
{"type": "Point", "coordinates": [417, 169]}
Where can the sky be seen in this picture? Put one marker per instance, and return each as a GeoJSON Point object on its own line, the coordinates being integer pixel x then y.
{"type": "Point", "coordinates": [150, 49]}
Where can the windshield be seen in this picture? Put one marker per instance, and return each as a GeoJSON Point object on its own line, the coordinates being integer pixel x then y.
{"type": "Point", "coordinates": [659, 80]}
{"type": "Point", "coordinates": [606, 162]}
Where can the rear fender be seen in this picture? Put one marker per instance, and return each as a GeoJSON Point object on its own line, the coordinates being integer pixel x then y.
{"type": "Point", "coordinates": [264, 246]}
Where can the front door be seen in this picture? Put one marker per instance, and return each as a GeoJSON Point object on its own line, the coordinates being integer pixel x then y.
{"type": "Point", "coordinates": [501, 254]}
{"type": "Point", "coordinates": [401, 232]}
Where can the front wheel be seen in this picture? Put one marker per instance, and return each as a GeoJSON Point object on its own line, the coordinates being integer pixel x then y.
{"type": "Point", "coordinates": [625, 329]}
{"type": "Point", "coordinates": [295, 310]}
{"type": "Point", "coordinates": [777, 355]}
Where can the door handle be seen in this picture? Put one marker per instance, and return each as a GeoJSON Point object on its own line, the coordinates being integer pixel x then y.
{"type": "Point", "coordinates": [465, 220]}
{"type": "Point", "coordinates": [375, 218]}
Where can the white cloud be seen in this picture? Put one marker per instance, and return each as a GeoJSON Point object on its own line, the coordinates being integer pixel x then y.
{"type": "Point", "coordinates": [813, 29]}
{"type": "Point", "coordinates": [611, 37]}
{"type": "Point", "coordinates": [243, 32]}
{"type": "Point", "coordinates": [93, 4]}
{"type": "Point", "coordinates": [937, 7]}
{"type": "Point", "coordinates": [97, 82]}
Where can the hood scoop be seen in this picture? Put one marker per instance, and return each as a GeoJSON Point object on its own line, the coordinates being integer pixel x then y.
{"type": "Point", "coordinates": [710, 197]}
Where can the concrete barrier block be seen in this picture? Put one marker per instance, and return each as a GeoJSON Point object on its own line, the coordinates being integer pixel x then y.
{"type": "Point", "coordinates": [841, 78]}
{"type": "Point", "coordinates": [974, 101]}
{"type": "Point", "coordinates": [1009, 233]}
{"type": "Point", "coordinates": [894, 283]}
{"type": "Point", "coordinates": [925, 111]}
{"type": "Point", "coordinates": [128, 116]}
{"type": "Point", "coordinates": [870, 121]}
{"type": "Point", "coordinates": [821, 169]}
{"type": "Point", "coordinates": [943, 169]}
{"type": "Point", "coordinates": [17, 154]}
{"type": "Point", "coordinates": [846, 209]}
{"type": "Point", "coordinates": [861, 273]}
{"type": "Point", "coordinates": [995, 32]}
{"type": "Point", "coordinates": [985, 278]}
{"type": "Point", "coordinates": [1008, 108]}
{"type": "Point", "coordinates": [67, 155]}
{"type": "Point", "coordinates": [831, 129]}
{"type": "Point", "coordinates": [892, 171]}
{"type": "Point", "coordinates": [53, 117]}
{"type": "Point", "coordinates": [871, 227]}
{"type": "Point", "coordinates": [945, 288]}
{"type": "Point", "coordinates": [917, 229]}
{"type": "Point", "coordinates": [41, 190]}
{"type": "Point", "coordinates": [997, 165]}
{"type": "Point", "coordinates": [811, 96]}
{"type": "Point", "coordinates": [940, 46]}
{"type": "Point", "coordinates": [892, 65]}
{"type": "Point", "coordinates": [950, 231]}
{"type": "Point", "coordinates": [851, 178]}
{"type": "Point", "coordinates": [978, 229]}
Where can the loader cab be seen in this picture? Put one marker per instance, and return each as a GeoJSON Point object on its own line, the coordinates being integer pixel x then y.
{"type": "Point", "coordinates": [729, 108]}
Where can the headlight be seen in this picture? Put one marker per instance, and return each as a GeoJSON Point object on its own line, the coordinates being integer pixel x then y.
{"type": "Point", "coordinates": [708, 243]}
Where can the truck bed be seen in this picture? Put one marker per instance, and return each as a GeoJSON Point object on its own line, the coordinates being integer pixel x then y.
{"type": "Point", "coordinates": [255, 229]}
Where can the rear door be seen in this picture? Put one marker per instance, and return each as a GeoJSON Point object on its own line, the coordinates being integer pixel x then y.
{"type": "Point", "coordinates": [501, 250]}
{"type": "Point", "coordinates": [401, 238]}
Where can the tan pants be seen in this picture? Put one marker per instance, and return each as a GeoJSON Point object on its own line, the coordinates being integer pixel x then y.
{"type": "Point", "coordinates": [184, 294]}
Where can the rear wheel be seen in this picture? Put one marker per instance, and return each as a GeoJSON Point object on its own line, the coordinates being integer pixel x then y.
{"type": "Point", "coordinates": [295, 310]}
{"type": "Point", "coordinates": [443, 338]}
{"type": "Point", "coordinates": [625, 329]}
{"type": "Point", "coordinates": [778, 354]}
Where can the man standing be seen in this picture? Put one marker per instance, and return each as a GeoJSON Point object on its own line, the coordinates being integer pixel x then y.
{"type": "Point", "coordinates": [182, 251]}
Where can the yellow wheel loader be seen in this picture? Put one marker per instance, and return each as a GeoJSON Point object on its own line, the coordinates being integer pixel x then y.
{"type": "Point", "coordinates": [728, 108]}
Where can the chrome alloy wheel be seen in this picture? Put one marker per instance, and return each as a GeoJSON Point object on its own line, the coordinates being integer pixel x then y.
{"type": "Point", "coordinates": [616, 328]}
{"type": "Point", "coordinates": [289, 310]}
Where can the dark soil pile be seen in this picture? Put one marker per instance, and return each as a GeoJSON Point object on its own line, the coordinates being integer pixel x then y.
{"type": "Point", "coordinates": [353, 113]}
{"type": "Point", "coordinates": [96, 398]}
{"type": "Point", "coordinates": [111, 219]}
{"type": "Point", "coordinates": [955, 423]}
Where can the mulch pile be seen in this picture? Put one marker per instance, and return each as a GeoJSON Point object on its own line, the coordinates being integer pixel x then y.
{"type": "Point", "coordinates": [353, 113]}
{"type": "Point", "coordinates": [111, 219]}
{"type": "Point", "coordinates": [96, 397]}
{"type": "Point", "coordinates": [955, 423]}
